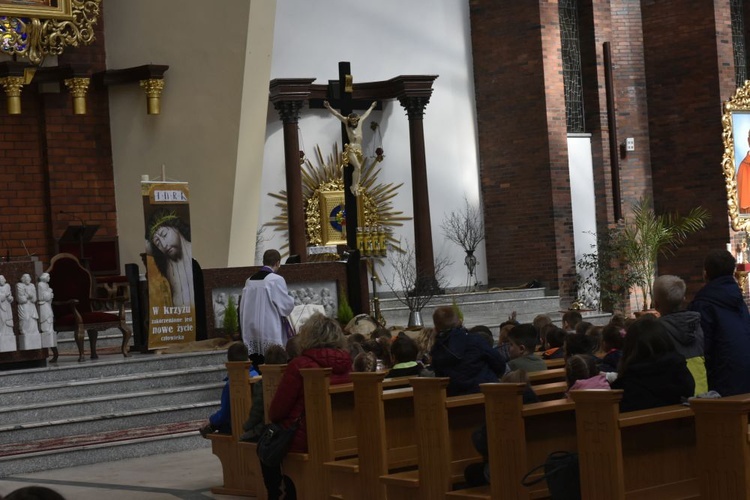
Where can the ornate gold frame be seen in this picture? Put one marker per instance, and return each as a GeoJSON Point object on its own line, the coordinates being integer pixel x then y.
{"type": "Point", "coordinates": [736, 126]}
{"type": "Point", "coordinates": [39, 30]}
{"type": "Point", "coordinates": [49, 9]}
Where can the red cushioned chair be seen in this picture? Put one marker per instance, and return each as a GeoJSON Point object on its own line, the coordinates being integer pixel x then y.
{"type": "Point", "coordinates": [72, 285]}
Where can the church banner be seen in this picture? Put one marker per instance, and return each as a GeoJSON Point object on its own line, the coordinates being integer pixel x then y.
{"type": "Point", "coordinates": [169, 263]}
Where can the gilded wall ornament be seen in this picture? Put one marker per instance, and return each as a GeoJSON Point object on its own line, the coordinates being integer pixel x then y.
{"type": "Point", "coordinates": [735, 162]}
{"type": "Point", "coordinates": [323, 184]}
{"type": "Point", "coordinates": [43, 28]}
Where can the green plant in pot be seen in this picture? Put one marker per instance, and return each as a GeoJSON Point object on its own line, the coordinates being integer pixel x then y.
{"type": "Point", "coordinates": [231, 322]}
{"type": "Point", "coordinates": [604, 279]}
{"type": "Point", "coordinates": [646, 235]}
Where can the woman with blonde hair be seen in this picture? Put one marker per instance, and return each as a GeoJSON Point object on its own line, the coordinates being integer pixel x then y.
{"type": "Point", "coordinates": [322, 345]}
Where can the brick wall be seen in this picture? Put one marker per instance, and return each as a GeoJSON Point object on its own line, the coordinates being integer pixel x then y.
{"type": "Point", "coordinates": [522, 142]}
{"type": "Point", "coordinates": [53, 160]}
{"type": "Point", "coordinates": [690, 71]}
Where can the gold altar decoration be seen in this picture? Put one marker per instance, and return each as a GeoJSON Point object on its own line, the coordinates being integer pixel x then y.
{"type": "Point", "coordinates": [12, 85]}
{"type": "Point", "coordinates": [37, 28]}
{"type": "Point", "coordinates": [153, 88]}
{"type": "Point", "coordinates": [736, 167]}
{"type": "Point", "coordinates": [322, 181]}
{"type": "Point", "coordinates": [78, 88]}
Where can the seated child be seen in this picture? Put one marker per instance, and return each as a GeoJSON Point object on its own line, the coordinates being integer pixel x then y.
{"type": "Point", "coordinates": [570, 320]}
{"type": "Point", "coordinates": [404, 352]}
{"type": "Point", "coordinates": [485, 332]}
{"type": "Point", "coordinates": [555, 339]}
{"type": "Point", "coordinates": [221, 421]}
{"type": "Point", "coordinates": [683, 326]}
{"type": "Point", "coordinates": [612, 345]}
{"type": "Point", "coordinates": [522, 345]}
{"type": "Point", "coordinates": [540, 321]}
{"type": "Point", "coordinates": [466, 359]}
{"type": "Point", "coordinates": [275, 355]}
{"type": "Point", "coordinates": [365, 362]}
{"type": "Point", "coordinates": [381, 348]}
{"type": "Point", "coordinates": [503, 344]}
{"type": "Point", "coordinates": [652, 373]}
{"type": "Point", "coordinates": [581, 372]}
{"type": "Point", "coordinates": [595, 334]}
{"type": "Point", "coordinates": [578, 343]}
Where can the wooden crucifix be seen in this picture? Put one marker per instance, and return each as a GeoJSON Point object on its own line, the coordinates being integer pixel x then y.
{"type": "Point", "coordinates": [413, 92]}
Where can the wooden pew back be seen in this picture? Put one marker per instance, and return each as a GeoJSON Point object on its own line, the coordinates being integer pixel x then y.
{"type": "Point", "coordinates": [521, 436]}
{"type": "Point", "coordinates": [648, 454]}
{"type": "Point", "coordinates": [723, 440]}
{"type": "Point", "coordinates": [240, 476]}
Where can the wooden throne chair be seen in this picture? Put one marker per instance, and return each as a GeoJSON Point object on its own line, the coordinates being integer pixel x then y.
{"type": "Point", "coordinates": [74, 302]}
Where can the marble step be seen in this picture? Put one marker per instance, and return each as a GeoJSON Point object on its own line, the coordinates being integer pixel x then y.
{"type": "Point", "coordinates": [460, 296]}
{"type": "Point", "coordinates": [489, 313]}
{"type": "Point", "coordinates": [184, 437]}
{"type": "Point", "coordinates": [115, 403]}
{"type": "Point", "coordinates": [37, 394]}
{"type": "Point", "coordinates": [31, 432]}
{"type": "Point", "coordinates": [93, 369]}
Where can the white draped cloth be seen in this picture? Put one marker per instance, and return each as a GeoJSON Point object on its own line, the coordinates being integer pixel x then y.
{"type": "Point", "coordinates": [262, 306]}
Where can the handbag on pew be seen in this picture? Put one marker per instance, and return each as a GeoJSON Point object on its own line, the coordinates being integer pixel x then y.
{"type": "Point", "coordinates": [274, 443]}
{"type": "Point", "coordinates": [561, 474]}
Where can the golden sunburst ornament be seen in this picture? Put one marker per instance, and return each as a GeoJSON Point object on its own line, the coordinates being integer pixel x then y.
{"type": "Point", "coordinates": [326, 177]}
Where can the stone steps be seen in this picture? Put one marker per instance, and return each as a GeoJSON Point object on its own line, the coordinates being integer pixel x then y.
{"type": "Point", "coordinates": [12, 396]}
{"type": "Point", "coordinates": [110, 404]}
{"type": "Point", "coordinates": [481, 308]}
{"type": "Point", "coordinates": [106, 409]}
{"type": "Point", "coordinates": [105, 447]}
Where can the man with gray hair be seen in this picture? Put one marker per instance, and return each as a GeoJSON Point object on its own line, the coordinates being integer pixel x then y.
{"type": "Point", "coordinates": [683, 326]}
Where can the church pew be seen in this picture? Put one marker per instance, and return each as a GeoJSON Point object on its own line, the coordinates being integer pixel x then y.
{"type": "Point", "coordinates": [386, 417]}
{"type": "Point", "coordinates": [555, 363]}
{"type": "Point", "coordinates": [444, 448]}
{"type": "Point", "coordinates": [723, 439]}
{"type": "Point", "coordinates": [644, 455]}
{"type": "Point", "coordinates": [331, 428]}
{"type": "Point", "coordinates": [235, 464]}
{"type": "Point", "coordinates": [547, 376]}
{"type": "Point", "coordinates": [520, 437]}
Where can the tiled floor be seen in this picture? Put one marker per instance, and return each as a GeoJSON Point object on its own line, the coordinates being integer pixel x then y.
{"type": "Point", "coordinates": [187, 475]}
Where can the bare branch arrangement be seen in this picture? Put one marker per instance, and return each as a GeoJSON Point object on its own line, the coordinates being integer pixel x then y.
{"type": "Point", "coordinates": [410, 288]}
{"type": "Point", "coordinates": [464, 227]}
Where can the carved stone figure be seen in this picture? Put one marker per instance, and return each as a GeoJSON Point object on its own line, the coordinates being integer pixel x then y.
{"type": "Point", "coordinates": [6, 312]}
{"type": "Point", "coordinates": [27, 313]}
{"type": "Point", "coordinates": [46, 316]}
{"type": "Point", "coordinates": [353, 150]}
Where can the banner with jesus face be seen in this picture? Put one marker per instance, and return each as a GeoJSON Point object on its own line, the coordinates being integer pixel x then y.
{"type": "Point", "coordinates": [169, 264]}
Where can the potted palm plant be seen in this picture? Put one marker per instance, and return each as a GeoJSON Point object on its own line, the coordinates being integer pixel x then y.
{"type": "Point", "coordinates": [646, 235]}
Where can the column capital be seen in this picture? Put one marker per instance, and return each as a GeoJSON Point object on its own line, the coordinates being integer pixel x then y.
{"type": "Point", "coordinates": [414, 105]}
{"type": "Point", "coordinates": [289, 110]}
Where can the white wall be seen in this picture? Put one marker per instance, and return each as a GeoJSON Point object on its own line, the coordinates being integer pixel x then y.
{"type": "Point", "coordinates": [381, 40]}
{"type": "Point", "coordinates": [212, 126]}
{"type": "Point", "coordinates": [582, 195]}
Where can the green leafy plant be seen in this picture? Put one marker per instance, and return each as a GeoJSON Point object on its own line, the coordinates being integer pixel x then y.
{"type": "Point", "coordinates": [231, 319]}
{"type": "Point", "coordinates": [604, 277]}
{"type": "Point", "coordinates": [458, 310]}
{"type": "Point", "coordinates": [345, 313]}
{"type": "Point", "coordinates": [647, 235]}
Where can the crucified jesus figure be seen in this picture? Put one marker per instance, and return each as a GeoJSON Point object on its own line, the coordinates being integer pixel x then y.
{"type": "Point", "coordinates": [353, 150]}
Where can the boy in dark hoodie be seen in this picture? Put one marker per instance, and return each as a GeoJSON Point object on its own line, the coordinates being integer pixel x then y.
{"type": "Point", "coordinates": [467, 359]}
{"type": "Point", "coordinates": [683, 326]}
{"type": "Point", "coordinates": [726, 326]}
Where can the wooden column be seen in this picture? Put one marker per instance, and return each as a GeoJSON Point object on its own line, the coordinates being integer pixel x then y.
{"type": "Point", "coordinates": [425, 261]}
{"type": "Point", "coordinates": [288, 97]}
